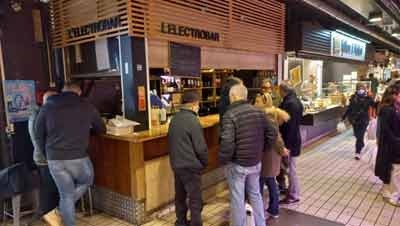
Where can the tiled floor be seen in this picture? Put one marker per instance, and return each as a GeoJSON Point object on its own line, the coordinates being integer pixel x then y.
{"type": "Point", "coordinates": [334, 187]}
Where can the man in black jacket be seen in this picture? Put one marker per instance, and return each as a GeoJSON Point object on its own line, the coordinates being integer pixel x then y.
{"type": "Point", "coordinates": [291, 136]}
{"type": "Point", "coordinates": [188, 157]}
{"type": "Point", "coordinates": [62, 129]}
{"type": "Point", "coordinates": [246, 133]}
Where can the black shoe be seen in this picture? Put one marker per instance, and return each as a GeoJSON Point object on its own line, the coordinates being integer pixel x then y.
{"type": "Point", "coordinates": [289, 201]}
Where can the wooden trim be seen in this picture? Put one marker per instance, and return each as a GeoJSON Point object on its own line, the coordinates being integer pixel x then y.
{"type": "Point", "coordinates": [138, 185]}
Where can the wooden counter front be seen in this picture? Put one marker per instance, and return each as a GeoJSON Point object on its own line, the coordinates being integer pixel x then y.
{"type": "Point", "coordinates": [137, 166]}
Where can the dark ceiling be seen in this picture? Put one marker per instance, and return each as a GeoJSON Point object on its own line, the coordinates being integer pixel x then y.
{"type": "Point", "coordinates": [300, 11]}
{"type": "Point", "coordinates": [392, 7]}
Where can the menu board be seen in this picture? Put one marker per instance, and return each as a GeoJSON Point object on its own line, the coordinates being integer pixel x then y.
{"type": "Point", "coordinates": [185, 60]}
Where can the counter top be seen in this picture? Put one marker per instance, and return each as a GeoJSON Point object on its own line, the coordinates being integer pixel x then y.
{"type": "Point", "coordinates": [161, 131]}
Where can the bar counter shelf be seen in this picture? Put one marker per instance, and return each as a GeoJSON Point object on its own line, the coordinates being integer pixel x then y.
{"type": "Point", "coordinates": [133, 174]}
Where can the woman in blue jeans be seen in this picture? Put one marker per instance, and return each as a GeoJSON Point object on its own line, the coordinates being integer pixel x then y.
{"type": "Point", "coordinates": [272, 158]}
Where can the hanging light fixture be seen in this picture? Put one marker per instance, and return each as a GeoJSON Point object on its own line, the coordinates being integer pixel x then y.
{"type": "Point", "coordinates": [375, 17]}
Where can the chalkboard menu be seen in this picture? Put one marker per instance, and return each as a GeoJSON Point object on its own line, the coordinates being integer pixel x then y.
{"type": "Point", "coordinates": [185, 60]}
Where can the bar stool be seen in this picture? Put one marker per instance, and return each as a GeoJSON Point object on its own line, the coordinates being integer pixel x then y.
{"type": "Point", "coordinates": [89, 211]}
{"type": "Point", "coordinates": [15, 212]}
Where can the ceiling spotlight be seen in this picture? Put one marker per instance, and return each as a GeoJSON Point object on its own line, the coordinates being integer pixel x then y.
{"type": "Point", "coordinates": [375, 17]}
{"type": "Point", "coordinates": [396, 32]}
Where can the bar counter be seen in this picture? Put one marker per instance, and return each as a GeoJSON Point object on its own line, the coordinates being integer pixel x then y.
{"type": "Point", "coordinates": [133, 174]}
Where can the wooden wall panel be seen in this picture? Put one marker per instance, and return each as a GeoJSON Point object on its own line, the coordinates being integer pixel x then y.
{"type": "Point", "coordinates": [251, 25]}
{"type": "Point", "coordinates": [258, 25]}
{"type": "Point", "coordinates": [191, 13]}
{"type": "Point", "coordinates": [66, 14]}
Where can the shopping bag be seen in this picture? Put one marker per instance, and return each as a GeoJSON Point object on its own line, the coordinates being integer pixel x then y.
{"type": "Point", "coordinates": [249, 216]}
{"type": "Point", "coordinates": [341, 127]}
{"type": "Point", "coordinates": [370, 153]}
{"type": "Point", "coordinates": [371, 130]}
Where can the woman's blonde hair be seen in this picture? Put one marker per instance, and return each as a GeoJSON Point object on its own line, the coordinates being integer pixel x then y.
{"type": "Point", "coordinates": [265, 102]}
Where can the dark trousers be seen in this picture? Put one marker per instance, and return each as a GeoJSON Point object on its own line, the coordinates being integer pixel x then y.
{"type": "Point", "coordinates": [273, 207]}
{"type": "Point", "coordinates": [48, 193]}
{"type": "Point", "coordinates": [359, 133]}
{"type": "Point", "coordinates": [281, 178]}
{"type": "Point", "coordinates": [188, 185]}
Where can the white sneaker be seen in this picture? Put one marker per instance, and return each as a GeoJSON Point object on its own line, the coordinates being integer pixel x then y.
{"type": "Point", "coordinates": [358, 157]}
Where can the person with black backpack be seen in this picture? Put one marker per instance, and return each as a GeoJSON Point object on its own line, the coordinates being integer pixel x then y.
{"type": "Point", "coordinates": [358, 115]}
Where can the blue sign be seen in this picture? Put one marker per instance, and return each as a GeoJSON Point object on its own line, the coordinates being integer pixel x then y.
{"type": "Point", "coordinates": [347, 47]}
{"type": "Point", "coordinates": [20, 99]}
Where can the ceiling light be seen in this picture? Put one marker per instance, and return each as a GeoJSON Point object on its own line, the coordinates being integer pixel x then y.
{"type": "Point", "coordinates": [375, 17]}
{"type": "Point", "coordinates": [396, 32]}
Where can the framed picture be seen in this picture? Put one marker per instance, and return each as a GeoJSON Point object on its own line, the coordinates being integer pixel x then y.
{"type": "Point", "coordinates": [20, 99]}
{"type": "Point", "coordinates": [295, 75]}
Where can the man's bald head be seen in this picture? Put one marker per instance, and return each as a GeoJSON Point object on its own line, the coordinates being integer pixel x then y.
{"type": "Point", "coordinates": [72, 87]}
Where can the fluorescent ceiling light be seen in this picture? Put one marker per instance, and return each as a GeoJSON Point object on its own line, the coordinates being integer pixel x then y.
{"type": "Point", "coordinates": [374, 20]}
{"type": "Point", "coordinates": [396, 32]}
{"type": "Point", "coordinates": [352, 36]}
{"type": "Point", "coordinates": [375, 17]}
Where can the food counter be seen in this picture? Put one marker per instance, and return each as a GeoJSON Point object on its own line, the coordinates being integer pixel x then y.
{"type": "Point", "coordinates": [133, 174]}
{"type": "Point", "coordinates": [316, 125]}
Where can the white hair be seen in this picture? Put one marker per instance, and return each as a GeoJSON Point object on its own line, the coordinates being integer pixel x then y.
{"type": "Point", "coordinates": [239, 91]}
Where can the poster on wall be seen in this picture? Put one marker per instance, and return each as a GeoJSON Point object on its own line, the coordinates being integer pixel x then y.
{"type": "Point", "coordinates": [20, 98]}
{"type": "Point", "coordinates": [295, 75]}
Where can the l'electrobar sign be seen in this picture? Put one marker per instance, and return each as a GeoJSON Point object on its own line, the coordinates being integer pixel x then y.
{"type": "Point", "coordinates": [92, 28]}
{"type": "Point", "coordinates": [173, 29]}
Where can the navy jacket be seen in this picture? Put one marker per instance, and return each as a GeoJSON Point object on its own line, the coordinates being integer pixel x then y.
{"type": "Point", "coordinates": [291, 130]}
{"type": "Point", "coordinates": [63, 126]}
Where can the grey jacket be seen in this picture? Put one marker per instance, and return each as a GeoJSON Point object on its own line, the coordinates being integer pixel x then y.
{"type": "Point", "coordinates": [38, 153]}
{"type": "Point", "coordinates": [187, 146]}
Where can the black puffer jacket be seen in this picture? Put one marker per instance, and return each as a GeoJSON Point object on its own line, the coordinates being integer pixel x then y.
{"type": "Point", "coordinates": [357, 112]}
{"type": "Point", "coordinates": [246, 133]}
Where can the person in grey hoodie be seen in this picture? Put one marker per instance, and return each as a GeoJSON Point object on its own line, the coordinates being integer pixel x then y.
{"type": "Point", "coordinates": [188, 153]}
{"type": "Point", "coordinates": [63, 129]}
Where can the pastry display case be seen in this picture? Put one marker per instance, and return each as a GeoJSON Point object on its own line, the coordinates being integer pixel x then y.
{"type": "Point", "coordinates": [331, 95]}
{"type": "Point", "coordinates": [329, 102]}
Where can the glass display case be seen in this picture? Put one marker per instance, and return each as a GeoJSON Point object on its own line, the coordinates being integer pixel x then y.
{"type": "Point", "coordinates": [331, 95]}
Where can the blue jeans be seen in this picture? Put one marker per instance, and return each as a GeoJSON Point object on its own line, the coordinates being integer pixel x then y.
{"type": "Point", "coordinates": [241, 179]}
{"type": "Point", "coordinates": [273, 207]}
{"type": "Point", "coordinates": [73, 178]}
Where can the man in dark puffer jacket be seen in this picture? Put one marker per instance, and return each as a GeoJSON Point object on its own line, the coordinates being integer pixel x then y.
{"type": "Point", "coordinates": [246, 133]}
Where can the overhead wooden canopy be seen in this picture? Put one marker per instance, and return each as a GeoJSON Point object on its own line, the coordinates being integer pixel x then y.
{"type": "Point", "coordinates": [253, 25]}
